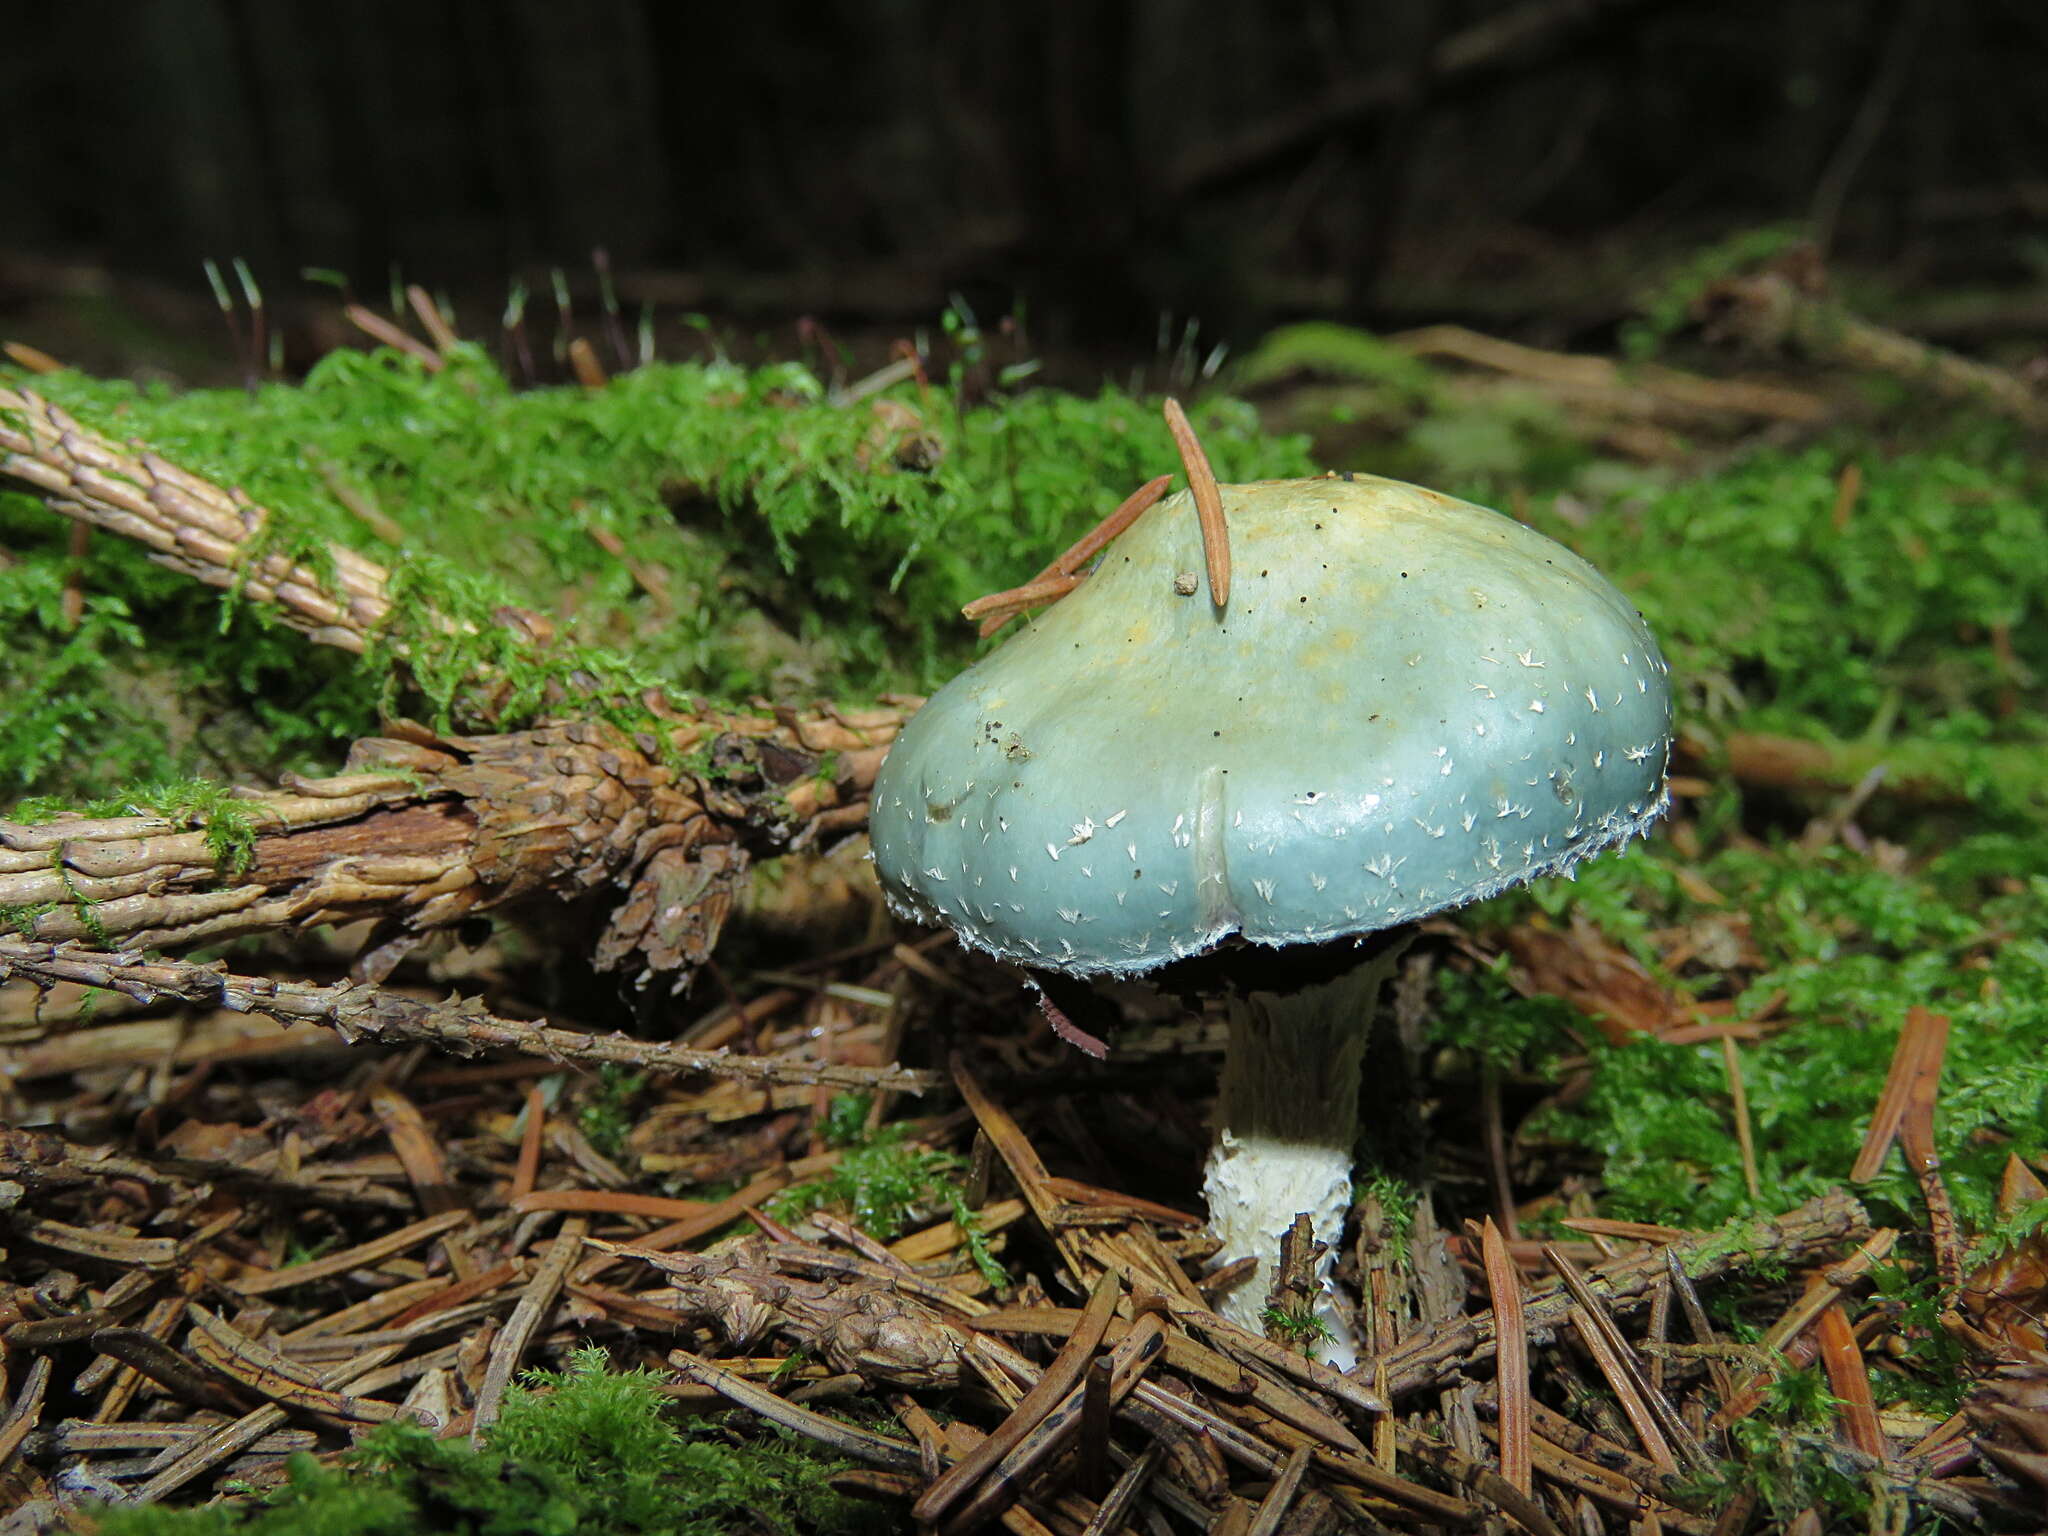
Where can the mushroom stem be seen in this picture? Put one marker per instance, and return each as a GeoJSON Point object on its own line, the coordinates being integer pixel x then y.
{"type": "Point", "coordinates": [1286, 1122]}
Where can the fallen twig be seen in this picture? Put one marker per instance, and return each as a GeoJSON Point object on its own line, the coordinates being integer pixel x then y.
{"type": "Point", "coordinates": [460, 1026]}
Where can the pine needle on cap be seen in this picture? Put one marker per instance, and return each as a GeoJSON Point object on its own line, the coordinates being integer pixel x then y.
{"type": "Point", "coordinates": [1208, 503]}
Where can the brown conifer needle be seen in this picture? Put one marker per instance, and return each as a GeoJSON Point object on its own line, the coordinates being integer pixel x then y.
{"type": "Point", "coordinates": [1093, 542]}
{"type": "Point", "coordinates": [1014, 601]}
{"type": "Point", "coordinates": [998, 608]}
{"type": "Point", "coordinates": [377, 328]}
{"type": "Point", "coordinates": [1060, 1376]}
{"type": "Point", "coordinates": [1208, 503]}
{"type": "Point", "coordinates": [1511, 1352]}
{"type": "Point", "coordinates": [1849, 1380]}
{"type": "Point", "coordinates": [1923, 1041]}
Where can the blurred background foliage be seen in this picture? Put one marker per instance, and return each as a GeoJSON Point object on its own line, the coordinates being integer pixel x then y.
{"type": "Point", "coordinates": [1514, 164]}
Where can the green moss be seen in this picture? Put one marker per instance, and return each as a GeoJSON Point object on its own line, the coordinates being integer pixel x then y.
{"type": "Point", "coordinates": [585, 1452]}
{"type": "Point", "coordinates": [1851, 947]}
{"type": "Point", "coordinates": [1886, 628]}
{"type": "Point", "coordinates": [1788, 1459]}
{"type": "Point", "coordinates": [1667, 308]}
{"type": "Point", "coordinates": [606, 1114]}
{"type": "Point", "coordinates": [21, 918]}
{"type": "Point", "coordinates": [883, 1183]}
{"type": "Point", "coordinates": [1396, 1199]}
{"type": "Point", "coordinates": [1301, 1332]}
{"type": "Point", "coordinates": [1323, 349]}
{"type": "Point", "coordinates": [768, 542]}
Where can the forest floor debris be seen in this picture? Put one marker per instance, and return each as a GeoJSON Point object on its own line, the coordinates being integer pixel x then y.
{"type": "Point", "coordinates": [859, 1188]}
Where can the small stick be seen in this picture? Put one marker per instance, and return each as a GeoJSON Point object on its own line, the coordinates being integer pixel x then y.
{"type": "Point", "coordinates": [1208, 503]}
{"type": "Point", "coordinates": [1511, 1356]}
{"type": "Point", "coordinates": [519, 1330]}
{"type": "Point", "coordinates": [1745, 1137]}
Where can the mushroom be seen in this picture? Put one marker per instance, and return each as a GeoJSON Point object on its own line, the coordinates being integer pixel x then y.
{"type": "Point", "coordinates": [1406, 704]}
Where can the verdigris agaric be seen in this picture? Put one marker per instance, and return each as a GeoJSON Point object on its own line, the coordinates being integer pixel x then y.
{"type": "Point", "coordinates": [1405, 703]}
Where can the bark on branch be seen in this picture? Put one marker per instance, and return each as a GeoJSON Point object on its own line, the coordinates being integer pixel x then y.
{"type": "Point", "coordinates": [460, 1026]}
{"type": "Point", "coordinates": [423, 831]}
{"type": "Point", "coordinates": [186, 522]}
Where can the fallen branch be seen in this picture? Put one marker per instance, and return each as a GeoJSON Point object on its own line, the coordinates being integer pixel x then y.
{"type": "Point", "coordinates": [1646, 390]}
{"type": "Point", "coordinates": [460, 1027]}
{"type": "Point", "coordinates": [1770, 311]}
{"type": "Point", "coordinates": [423, 832]}
{"type": "Point", "coordinates": [1520, 38]}
{"type": "Point", "coordinates": [186, 522]}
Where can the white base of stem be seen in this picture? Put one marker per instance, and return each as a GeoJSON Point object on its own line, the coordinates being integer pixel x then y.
{"type": "Point", "coordinates": [1287, 1117]}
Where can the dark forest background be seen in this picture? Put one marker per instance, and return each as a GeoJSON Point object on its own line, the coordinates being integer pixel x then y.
{"type": "Point", "coordinates": [1523, 165]}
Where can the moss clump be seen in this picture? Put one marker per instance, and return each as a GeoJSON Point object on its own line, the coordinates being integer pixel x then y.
{"type": "Point", "coordinates": [1789, 1458]}
{"type": "Point", "coordinates": [586, 1452]}
{"type": "Point", "coordinates": [1783, 606]}
{"type": "Point", "coordinates": [703, 528]}
{"type": "Point", "coordinates": [882, 1182]}
{"type": "Point", "coordinates": [1385, 409]}
{"type": "Point", "coordinates": [1851, 947]}
{"type": "Point", "coordinates": [606, 1114]}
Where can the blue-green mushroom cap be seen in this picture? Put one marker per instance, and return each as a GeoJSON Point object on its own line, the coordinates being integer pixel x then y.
{"type": "Point", "coordinates": [1409, 703]}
